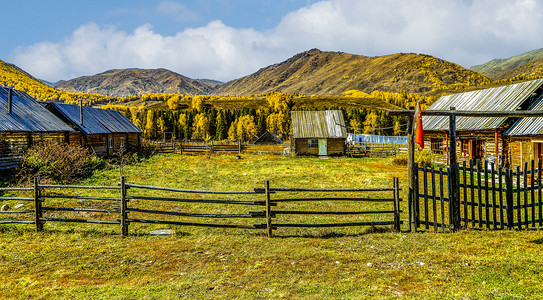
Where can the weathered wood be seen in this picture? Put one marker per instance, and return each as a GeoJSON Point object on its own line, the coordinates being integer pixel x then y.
{"type": "Point", "coordinates": [193, 224]}
{"type": "Point", "coordinates": [334, 199]}
{"type": "Point", "coordinates": [80, 197]}
{"type": "Point", "coordinates": [434, 199]}
{"type": "Point", "coordinates": [411, 171]}
{"type": "Point", "coordinates": [37, 205]}
{"type": "Point", "coordinates": [19, 198]}
{"type": "Point", "coordinates": [539, 198]}
{"type": "Point", "coordinates": [487, 212]}
{"type": "Point", "coordinates": [183, 214]}
{"type": "Point", "coordinates": [500, 193]}
{"type": "Point", "coordinates": [68, 220]}
{"type": "Point", "coordinates": [197, 200]}
{"type": "Point", "coordinates": [51, 186]}
{"type": "Point", "coordinates": [509, 198]}
{"type": "Point", "coordinates": [532, 189]}
{"type": "Point", "coordinates": [158, 188]}
{"type": "Point", "coordinates": [425, 182]}
{"type": "Point", "coordinates": [519, 213]}
{"type": "Point", "coordinates": [442, 200]}
{"type": "Point", "coordinates": [313, 212]}
{"type": "Point", "coordinates": [377, 223]}
{"type": "Point", "coordinates": [331, 190]}
{"type": "Point", "coordinates": [397, 219]}
{"type": "Point", "coordinates": [77, 209]}
{"type": "Point", "coordinates": [454, 192]}
{"type": "Point", "coordinates": [269, 228]}
{"type": "Point", "coordinates": [124, 208]}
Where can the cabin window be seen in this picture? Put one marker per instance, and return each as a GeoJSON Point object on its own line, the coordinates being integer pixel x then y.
{"type": "Point", "coordinates": [111, 143]}
{"type": "Point", "coordinates": [122, 142]}
{"type": "Point", "coordinates": [436, 146]}
{"type": "Point", "coordinates": [313, 143]}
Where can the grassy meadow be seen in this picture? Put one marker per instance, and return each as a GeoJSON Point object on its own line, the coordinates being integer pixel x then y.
{"type": "Point", "coordinates": [70, 261]}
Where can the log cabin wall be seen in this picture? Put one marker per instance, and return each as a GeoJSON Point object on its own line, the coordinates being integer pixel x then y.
{"type": "Point", "coordinates": [477, 144]}
{"type": "Point", "coordinates": [335, 147]}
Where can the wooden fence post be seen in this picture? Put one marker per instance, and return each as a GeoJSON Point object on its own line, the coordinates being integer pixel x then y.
{"type": "Point", "coordinates": [396, 205]}
{"type": "Point", "coordinates": [37, 205]}
{"type": "Point", "coordinates": [509, 198]}
{"type": "Point", "coordinates": [124, 223]}
{"type": "Point", "coordinates": [410, 170]}
{"type": "Point", "coordinates": [268, 210]}
{"type": "Point", "coordinates": [454, 180]}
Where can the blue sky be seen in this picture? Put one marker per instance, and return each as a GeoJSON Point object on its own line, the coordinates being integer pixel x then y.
{"type": "Point", "coordinates": [227, 39]}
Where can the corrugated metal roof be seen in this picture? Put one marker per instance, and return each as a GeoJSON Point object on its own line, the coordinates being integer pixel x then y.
{"type": "Point", "coordinates": [96, 120]}
{"type": "Point", "coordinates": [27, 115]}
{"type": "Point", "coordinates": [528, 125]}
{"type": "Point", "coordinates": [504, 98]}
{"type": "Point", "coordinates": [318, 124]}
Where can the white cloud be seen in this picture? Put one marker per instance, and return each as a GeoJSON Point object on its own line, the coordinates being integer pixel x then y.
{"type": "Point", "coordinates": [180, 12]}
{"type": "Point", "coordinates": [467, 32]}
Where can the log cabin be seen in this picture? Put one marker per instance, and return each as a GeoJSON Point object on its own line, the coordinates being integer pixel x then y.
{"type": "Point", "coordinates": [104, 132]}
{"type": "Point", "coordinates": [268, 138]}
{"type": "Point", "coordinates": [318, 133]}
{"type": "Point", "coordinates": [23, 123]}
{"type": "Point", "coordinates": [504, 141]}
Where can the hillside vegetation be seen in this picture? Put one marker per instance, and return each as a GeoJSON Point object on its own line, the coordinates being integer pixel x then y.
{"type": "Point", "coordinates": [134, 82]}
{"type": "Point", "coordinates": [13, 76]}
{"type": "Point", "coordinates": [324, 73]}
{"type": "Point", "coordinates": [504, 68]}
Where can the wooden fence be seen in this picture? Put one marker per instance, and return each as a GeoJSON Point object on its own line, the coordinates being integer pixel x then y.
{"type": "Point", "coordinates": [374, 150]}
{"type": "Point", "coordinates": [203, 149]}
{"type": "Point", "coordinates": [489, 198]}
{"type": "Point", "coordinates": [129, 203]}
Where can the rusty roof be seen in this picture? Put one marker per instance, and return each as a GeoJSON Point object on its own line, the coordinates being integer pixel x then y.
{"type": "Point", "coordinates": [504, 98]}
{"type": "Point", "coordinates": [27, 115]}
{"type": "Point", "coordinates": [318, 124]}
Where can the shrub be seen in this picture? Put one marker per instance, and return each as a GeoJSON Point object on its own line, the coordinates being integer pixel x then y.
{"type": "Point", "coordinates": [58, 162]}
{"type": "Point", "coordinates": [423, 158]}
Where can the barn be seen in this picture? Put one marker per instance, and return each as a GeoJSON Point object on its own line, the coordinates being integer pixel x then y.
{"type": "Point", "coordinates": [500, 139]}
{"type": "Point", "coordinates": [318, 133]}
{"type": "Point", "coordinates": [23, 123]}
{"type": "Point", "coordinates": [104, 132]}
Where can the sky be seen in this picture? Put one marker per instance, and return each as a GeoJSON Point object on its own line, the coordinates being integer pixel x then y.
{"type": "Point", "coordinates": [227, 39]}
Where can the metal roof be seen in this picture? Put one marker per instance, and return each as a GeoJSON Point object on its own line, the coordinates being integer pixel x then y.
{"type": "Point", "coordinates": [528, 125]}
{"type": "Point", "coordinates": [27, 115]}
{"type": "Point", "coordinates": [96, 120]}
{"type": "Point", "coordinates": [318, 124]}
{"type": "Point", "coordinates": [504, 98]}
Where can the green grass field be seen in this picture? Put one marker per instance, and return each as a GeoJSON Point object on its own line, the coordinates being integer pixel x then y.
{"type": "Point", "coordinates": [70, 261]}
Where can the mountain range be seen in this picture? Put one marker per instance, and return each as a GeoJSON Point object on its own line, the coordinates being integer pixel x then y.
{"type": "Point", "coordinates": [312, 72]}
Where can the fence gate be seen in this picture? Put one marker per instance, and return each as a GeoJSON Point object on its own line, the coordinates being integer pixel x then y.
{"type": "Point", "coordinates": [488, 198]}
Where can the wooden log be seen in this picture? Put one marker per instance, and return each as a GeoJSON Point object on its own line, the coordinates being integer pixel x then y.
{"type": "Point", "coordinates": [67, 220]}
{"type": "Point", "coordinates": [532, 190]}
{"type": "Point", "coordinates": [77, 209]}
{"type": "Point", "coordinates": [425, 183]}
{"type": "Point", "coordinates": [194, 224]}
{"type": "Point", "coordinates": [20, 199]}
{"type": "Point", "coordinates": [331, 190]}
{"type": "Point", "coordinates": [312, 212]}
{"type": "Point", "coordinates": [235, 202]}
{"type": "Point", "coordinates": [500, 193]}
{"type": "Point", "coordinates": [539, 184]}
{"type": "Point", "coordinates": [519, 213]}
{"type": "Point", "coordinates": [197, 215]}
{"type": "Point", "coordinates": [189, 191]}
{"type": "Point", "coordinates": [80, 197]}
{"type": "Point", "coordinates": [377, 223]}
{"type": "Point", "coordinates": [16, 222]}
{"type": "Point", "coordinates": [334, 199]}
{"type": "Point", "coordinates": [442, 200]}
{"type": "Point", "coordinates": [51, 186]}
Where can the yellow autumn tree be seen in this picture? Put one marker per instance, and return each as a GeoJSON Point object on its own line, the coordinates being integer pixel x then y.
{"type": "Point", "coordinates": [279, 101]}
{"type": "Point", "coordinates": [198, 102]}
{"type": "Point", "coordinates": [174, 102]}
{"type": "Point", "coordinates": [277, 123]}
{"type": "Point", "coordinates": [200, 127]}
{"type": "Point", "coordinates": [371, 123]}
{"type": "Point", "coordinates": [356, 127]}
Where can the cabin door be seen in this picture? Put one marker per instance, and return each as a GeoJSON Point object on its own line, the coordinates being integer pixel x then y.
{"type": "Point", "coordinates": [538, 151]}
{"type": "Point", "coordinates": [323, 147]}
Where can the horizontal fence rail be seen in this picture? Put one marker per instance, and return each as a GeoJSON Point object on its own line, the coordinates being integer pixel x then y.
{"type": "Point", "coordinates": [261, 208]}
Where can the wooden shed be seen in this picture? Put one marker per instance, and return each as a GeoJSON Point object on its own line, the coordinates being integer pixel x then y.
{"type": "Point", "coordinates": [24, 122]}
{"type": "Point", "coordinates": [268, 138]}
{"type": "Point", "coordinates": [486, 138]}
{"type": "Point", "coordinates": [318, 133]}
{"type": "Point", "coordinates": [104, 131]}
